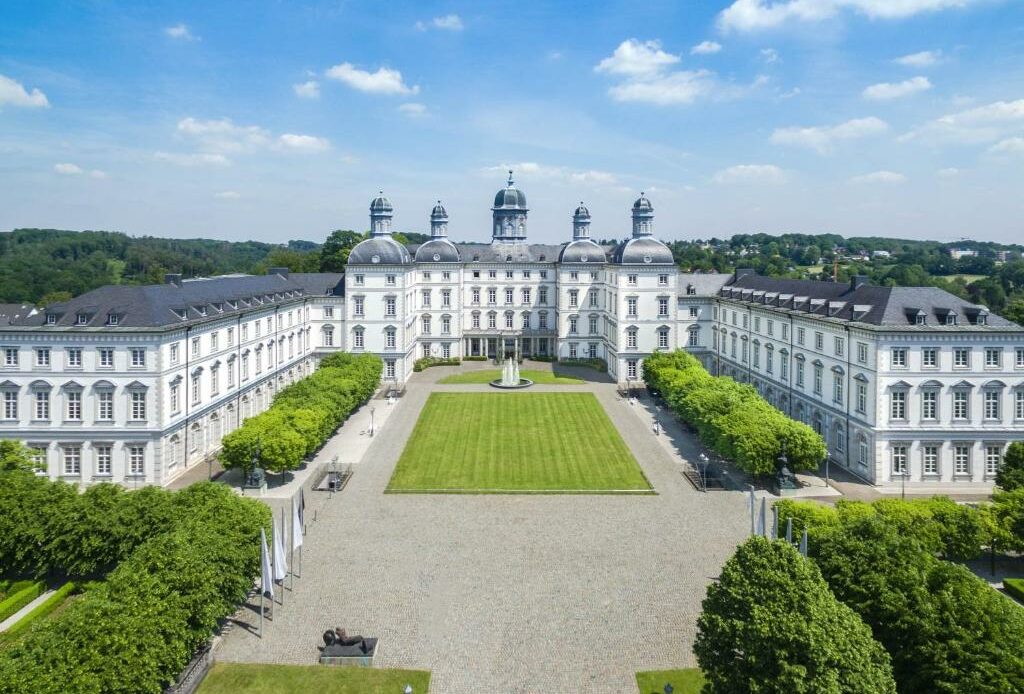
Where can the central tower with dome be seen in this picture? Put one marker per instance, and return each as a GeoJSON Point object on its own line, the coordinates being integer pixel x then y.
{"type": "Point", "coordinates": [509, 214]}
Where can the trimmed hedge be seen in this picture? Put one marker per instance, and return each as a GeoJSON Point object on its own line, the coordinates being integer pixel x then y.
{"type": "Point", "coordinates": [1014, 587]}
{"type": "Point", "coordinates": [135, 632]}
{"type": "Point", "coordinates": [595, 364]}
{"type": "Point", "coordinates": [17, 600]}
{"type": "Point", "coordinates": [475, 358]}
{"type": "Point", "coordinates": [732, 418]}
{"type": "Point", "coordinates": [304, 415]}
{"type": "Point", "coordinates": [427, 362]}
{"type": "Point", "coordinates": [41, 610]}
{"type": "Point", "coordinates": [939, 524]}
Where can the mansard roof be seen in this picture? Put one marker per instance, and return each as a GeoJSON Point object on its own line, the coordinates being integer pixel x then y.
{"type": "Point", "coordinates": [182, 302]}
{"type": "Point", "coordinates": [702, 283]}
{"type": "Point", "coordinates": [862, 302]}
{"type": "Point", "coordinates": [12, 312]}
{"type": "Point", "coordinates": [508, 252]}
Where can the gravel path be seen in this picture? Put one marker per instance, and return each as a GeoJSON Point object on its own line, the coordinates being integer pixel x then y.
{"type": "Point", "coordinates": [506, 593]}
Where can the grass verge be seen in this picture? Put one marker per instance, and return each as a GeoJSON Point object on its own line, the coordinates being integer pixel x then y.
{"type": "Point", "coordinates": [685, 681]}
{"type": "Point", "coordinates": [235, 678]}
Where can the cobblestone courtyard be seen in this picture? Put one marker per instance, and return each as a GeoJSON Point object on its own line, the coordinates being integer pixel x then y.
{"type": "Point", "coordinates": [508, 594]}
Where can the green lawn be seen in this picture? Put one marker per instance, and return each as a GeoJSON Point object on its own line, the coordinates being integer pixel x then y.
{"type": "Point", "coordinates": [233, 678]}
{"type": "Point", "coordinates": [516, 442]}
{"type": "Point", "coordinates": [687, 681]}
{"type": "Point", "coordinates": [488, 375]}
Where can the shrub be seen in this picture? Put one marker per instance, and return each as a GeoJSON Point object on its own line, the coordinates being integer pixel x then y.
{"type": "Point", "coordinates": [427, 362]}
{"type": "Point", "coordinates": [730, 417]}
{"type": "Point", "coordinates": [475, 358]}
{"type": "Point", "coordinates": [1014, 587]}
{"type": "Point", "coordinates": [40, 611]}
{"type": "Point", "coordinates": [304, 414]}
{"type": "Point", "coordinates": [17, 600]}
{"type": "Point", "coordinates": [1011, 473]}
{"type": "Point", "coordinates": [771, 624]}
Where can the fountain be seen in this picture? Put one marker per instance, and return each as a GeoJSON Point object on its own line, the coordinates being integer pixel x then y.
{"type": "Point", "coordinates": [510, 376]}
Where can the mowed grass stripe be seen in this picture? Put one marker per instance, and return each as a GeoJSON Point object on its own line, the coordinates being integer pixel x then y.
{"type": "Point", "coordinates": [516, 442]}
{"type": "Point", "coordinates": [488, 375]}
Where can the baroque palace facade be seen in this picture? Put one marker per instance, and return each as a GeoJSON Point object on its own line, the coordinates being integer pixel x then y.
{"type": "Point", "coordinates": [137, 384]}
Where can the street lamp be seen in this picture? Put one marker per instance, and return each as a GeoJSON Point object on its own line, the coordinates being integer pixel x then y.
{"type": "Point", "coordinates": [704, 471]}
{"type": "Point", "coordinates": [372, 410]}
{"type": "Point", "coordinates": [827, 459]}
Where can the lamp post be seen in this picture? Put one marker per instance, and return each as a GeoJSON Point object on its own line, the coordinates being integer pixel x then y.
{"type": "Point", "coordinates": [828, 457]}
{"type": "Point", "coordinates": [903, 482]}
{"type": "Point", "coordinates": [704, 471]}
{"type": "Point", "coordinates": [372, 410]}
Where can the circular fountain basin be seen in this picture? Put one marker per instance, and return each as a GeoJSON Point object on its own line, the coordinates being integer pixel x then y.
{"type": "Point", "coordinates": [523, 383]}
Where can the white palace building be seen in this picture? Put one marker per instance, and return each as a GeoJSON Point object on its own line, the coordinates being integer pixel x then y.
{"type": "Point", "coordinates": [137, 384]}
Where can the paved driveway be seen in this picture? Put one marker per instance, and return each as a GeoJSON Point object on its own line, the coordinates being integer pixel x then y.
{"type": "Point", "coordinates": [505, 593]}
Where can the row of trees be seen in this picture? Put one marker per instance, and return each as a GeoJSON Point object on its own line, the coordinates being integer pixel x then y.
{"type": "Point", "coordinates": [776, 622]}
{"type": "Point", "coordinates": [186, 560]}
{"type": "Point", "coordinates": [732, 418]}
{"type": "Point", "coordinates": [303, 415]}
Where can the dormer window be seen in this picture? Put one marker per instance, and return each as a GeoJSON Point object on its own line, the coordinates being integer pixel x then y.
{"type": "Point", "coordinates": [82, 319]}
{"type": "Point", "coordinates": [112, 319]}
{"type": "Point", "coordinates": [51, 319]}
{"type": "Point", "coordinates": [543, 257]}
{"type": "Point", "coordinates": [920, 319]}
{"type": "Point", "coordinates": [982, 319]}
{"type": "Point", "coordinates": [950, 318]}
{"type": "Point", "coordinates": [219, 308]}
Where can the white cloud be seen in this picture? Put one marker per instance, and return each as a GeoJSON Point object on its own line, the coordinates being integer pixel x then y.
{"type": "Point", "coordinates": [750, 173]}
{"type": "Point", "coordinates": [886, 177]}
{"type": "Point", "coordinates": [303, 143]}
{"type": "Point", "coordinates": [981, 124]}
{"type": "Point", "coordinates": [563, 174]}
{"type": "Point", "coordinates": [921, 59]}
{"type": "Point", "coordinates": [383, 81]}
{"type": "Point", "coordinates": [637, 59]}
{"type": "Point", "coordinates": [181, 32]}
{"type": "Point", "coordinates": [307, 90]}
{"type": "Point", "coordinates": [706, 48]}
{"type": "Point", "coordinates": [449, 22]}
{"type": "Point", "coordinates": [223, 135]}
{"type": "Point", "coordinates": [14, 94]}
{"type": "Point", "coordinates": [67, 169]}
{"type": "Point", "coordinates": [948, 172]}
{"type": "Point", "coordinates": [199, 159]}
{"type": "Point", "coordinates": [97, 174]}
{"type": "Point", "coordinates": [885, 91]}
{"type": "Point", "coordinates": [755, 15]}
{"type": "Point", "coordinates": [413, 110]}
{"type": "Point", "coordinates": [646, 77]}
{"type": "Point", "coordinates": [769, 55]}
{"type": "Point", "coordinates": [227, 195]}
{"type": "Point", "coordinates": [822, 138]}
{"type": "Point", "coordinates": [1011, 145]}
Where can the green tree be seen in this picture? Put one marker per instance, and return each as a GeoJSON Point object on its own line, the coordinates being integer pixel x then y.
{"type": "Point", "coordinates": [15, 456]}
{"type": "Point", "coordinates": [1011, 473]}
{"type": "Point", "coordinates": [54, 297]}
{"type": "Point", "coordinates": [334, 252]}
{"type": "Point", "coordinates": [771, 624]}
{"type": "Point", "coordinates": [1014, 311]}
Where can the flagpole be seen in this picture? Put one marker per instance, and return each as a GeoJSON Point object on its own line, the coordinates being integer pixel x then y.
{"type": "Point", "coordinates": [291, 551]}
{"type": "Point", "coordinates": [262, 599]}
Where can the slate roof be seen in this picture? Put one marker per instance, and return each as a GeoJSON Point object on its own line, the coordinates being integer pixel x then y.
{"type": "Point", "coordinates": [703, 283]}
{"type": "Point", "coordinates": [12, 312]}
{"type": "Point", "coordinates": [191, 301]}
{"type": "Point", "coordinates": [861, 302]}
{"type": "Point", "coordinates": [499, 252]}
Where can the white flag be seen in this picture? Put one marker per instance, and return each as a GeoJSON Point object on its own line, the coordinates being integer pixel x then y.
{"type": "Point", "coordinates": [266, 574]}
{"type": "Point", "coordinates": [280, 566]}
{"type": "Point", "coordinates": [296, 526]}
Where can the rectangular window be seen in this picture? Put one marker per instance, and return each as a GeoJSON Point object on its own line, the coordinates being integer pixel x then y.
{"type": "Point", "coordinates": [174, 353]}
{"type": "Point", "coordinates": [593, 325]}
{"type": "Point", "coordinates": [631, 368]}
{"type": "Point", "coordinates": [862, 352]}
{"type": "Point", "coordinates": [961, 358]}
{"type": "Point", "coordinates": [960, 402]}
{"type": "Point", "coordinates": [446, 298]}
{"type": "Point", "coordinates": [543, 320]}
{"type": "Point", "coordinates": [929, 404]}
{"type": "Point", "coordinates": [993, 358]}
{"type": "Point", "coordinates": [692, 337]}
{"type": "Point", "coordinates": [215, 339]}
{"type": "Point", "coordinates": [992, 398]}
{"type": "Point", "coordinates": [930, 460]}
{"type": "Point", "coordinates": [10, 404]}
{"type": "Point", "coordinates": [771, 327]}
{"type": "Point", "coordinates": [898, 404]}
{"type": "Point", "coordinates": [425, 300]}
{"type": "Point", "coordinates": [10, 356]}
{"type": "Point", "coordinates": [138, 405]}
{"type": "Point", "coordinates": [72, 460]}
{"type": "Point", "coordinates": [389, 339]}
{"type": "Point", "coordinates": [389, 368]}
{"type": "Point", "coordinates": [136, 460]}
{"type": "Point", "coordinates": [196, 394]}
{"type": "Point", "coordinates": [389, 280]}
{"type": "Point", "coordinates": [175, 398]}
{"type": "Point", "coordinates": [573, 298]}
{"type": "Point", "coordinates": [138, 357]}
{"type": "Point", "coordinates": [862, 398]}
{"type": "Point", "coordinates": [359, 280]}
{"type": "Point", "coordinates": [662, 280]}
{"type": "Point", "coordinates": [929, 357]}
{"type": "Point", "coordinates": [631, 307]}
{"type": "Point", "coordinates": [993, 459]}
{"type": "Point", "coordinates": [42, 356]}
{"type": "Point", "coordinates": [783, 368]}
{"type": "Point", "coordinates": [105, 409]}
{"type": "Point", "coordinates": [961, 460]}
{"type": "Point", "coordinates": [74, 405]}
{"type": "Point", "coordinates": [475, 295]}
{"type": "Point", "coordinates": [800, 334]}
{"type": "Point", "coordinates": [662, 307]}
{"type": "Point", "coordinates": [899, 460]}
{"type": "Point", "coordinates": [837, 388]}
{"type": "Point", "coordinates": [104, 460]}
{"type": "Point", "coordinates": [662, 339]}
{"type": "Point", "coordinates": [389, 306]}
{"type": "Point", "coordinates": [631, 280]}
{"type": "Point", "coordinates": [1018, 411]}
{"type": "Point", "coordinates": [214, 381]}
{"type": "Point", "coordinates": [542, 295]}
{"type": "Point", "coordinates": [693, 312]}
{"type": "Point", "coordinates": [785, 331]}
{"type": "Point", "coordinates": [573, 350]}
{"type": "Point", "coordinates": [74, 357]}
{"type": "Point", "coordinates": [42, 404]}
{"type": "Point", "coordinates": [1018, 360]}
{"type": "Point", "coordinates": [819, 341]}
{"type": "Point", "coordinates": [818, 369]}
{"type": "Point", "coordinates": [446, 325]}
{"type": "Point", "coordinates": [492, 296]}
{"type": "Point", "coordinates": [899, 357]}
{"type": "Point", "coordinates": [800, 374]}
{"type": "Point", "coordinates": [572, 325]}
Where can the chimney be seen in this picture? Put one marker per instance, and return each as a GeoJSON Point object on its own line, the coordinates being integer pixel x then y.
{"type": "Point", "coordinates": [283, 271]}
{"type": "Point", "coordinates": [858, 281]}
{"type": "Point", "coordinates": [173, 278]}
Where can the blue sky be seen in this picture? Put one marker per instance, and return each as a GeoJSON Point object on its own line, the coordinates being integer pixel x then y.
{"type": "Point", "coordinates": [281, 120]}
